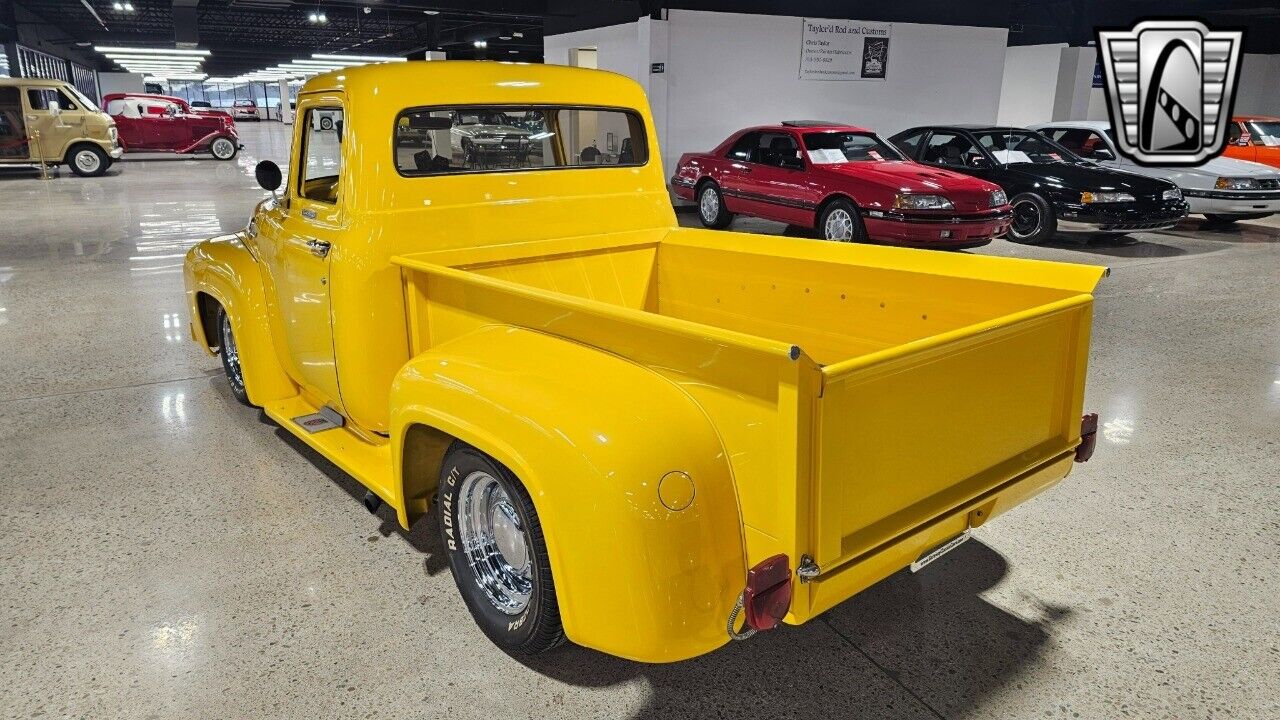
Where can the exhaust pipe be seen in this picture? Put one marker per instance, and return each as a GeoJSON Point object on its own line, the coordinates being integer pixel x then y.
{"type": "Point", "coordinates": [372, 502]}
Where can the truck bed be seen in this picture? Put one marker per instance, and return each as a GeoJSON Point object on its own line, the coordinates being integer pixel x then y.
{"type": "Point", "coordinates": [871, 399]}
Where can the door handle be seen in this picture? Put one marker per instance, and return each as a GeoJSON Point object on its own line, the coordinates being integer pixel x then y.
{"type": "Point", "coordinates": [308, 213]}
{"type": "Point", "coordinates": [319, 248]}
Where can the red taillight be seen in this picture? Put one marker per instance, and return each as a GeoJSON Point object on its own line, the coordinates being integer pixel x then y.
{"type": "Point", "coordinates": [768, 594]}
{"type": "Point", "coordinates": [1088, 437]}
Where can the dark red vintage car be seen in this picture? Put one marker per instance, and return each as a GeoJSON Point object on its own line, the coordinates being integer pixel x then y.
{"type": "Point", "coordinates": [160, 123]}
{"type": "Point", "coordinates": [843, 181]}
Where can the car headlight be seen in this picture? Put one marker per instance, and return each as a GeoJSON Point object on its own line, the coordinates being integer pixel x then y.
{"type": "Point", "coordinates": [906, 201]}
{"type": "Point", "coordinates": [1105, 197]}
{"type": "Point", "coordinates": [1236, 184]}
{"type": "Point", "coordinates": [998, 198]}
{"type": "Point", "coordinates": [1172, 194]}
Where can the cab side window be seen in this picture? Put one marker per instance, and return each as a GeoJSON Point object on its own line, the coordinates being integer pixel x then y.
{"type": "Point", "coordinates": [779, 150]}
{"type": "Point", "coordinates": [321, 155]}
{"type": "Point", "coordinates": [910, 144]}
{"type": "Point", "coordinates": [64, 102]}
{"type": "Point", "coordinates": [1085, 143]}
{"type": "Point", "coordinates": [744, 149]}
{"type": "Point", "coordinates": [1233, 133]}
{"type": "Point", "coordinates": [38, 99]}
{"type": "Point", "coordinates": [946, 148]}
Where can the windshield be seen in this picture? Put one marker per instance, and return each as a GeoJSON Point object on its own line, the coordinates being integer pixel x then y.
{"type": "Point", "coordinates": [244, 103]}
{"type": "Point", "coordinates": [1011, 147]}
{"type": "Point", "coordinates": [1267, 133]}
{"type": "Point", "coordinates": [84, 101]}
{"type": "Point", "coordinates": [831, 148]}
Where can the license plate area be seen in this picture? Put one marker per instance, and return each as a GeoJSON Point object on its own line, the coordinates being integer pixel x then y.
{"type": "Point", "coordinates": [937, 552]}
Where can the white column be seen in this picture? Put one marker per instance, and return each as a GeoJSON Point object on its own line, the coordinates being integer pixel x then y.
{"type": "Point", "coordinates": [286, 115]}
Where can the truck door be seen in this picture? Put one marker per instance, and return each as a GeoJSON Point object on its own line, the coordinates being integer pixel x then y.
{"type": "Point", "coordinates": [44, 127]}
{"type": "Point", "coordinates": [297, 251]}
{"type": "Point", "coordinates": [13, 129]}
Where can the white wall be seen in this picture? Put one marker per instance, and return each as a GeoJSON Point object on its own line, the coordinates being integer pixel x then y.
{"type": "Point", "coordinates": [109, 82]}
{"type": "Point", "coordinates": [1075, 82]}
{"type": "Point", "coordinates": [726, 71]}
{"type": "Point", "coordinates": [1030, 83]}
{"type": "Point", "coordinates": [1258, 92]}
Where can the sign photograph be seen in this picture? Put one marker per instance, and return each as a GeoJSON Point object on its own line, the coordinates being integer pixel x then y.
{"type": "Point", "coordinates": [844, 49]}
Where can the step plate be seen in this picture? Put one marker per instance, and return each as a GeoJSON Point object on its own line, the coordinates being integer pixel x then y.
{"type": "Point", "coordinates": [326, 419]}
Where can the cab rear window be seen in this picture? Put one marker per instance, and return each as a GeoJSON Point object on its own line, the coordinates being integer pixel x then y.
{"type": "Point", "coordinates": [469, 139]}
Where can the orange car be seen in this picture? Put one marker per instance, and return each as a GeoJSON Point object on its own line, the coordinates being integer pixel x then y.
{"type": "Point", "coordinates": [1255, 138]}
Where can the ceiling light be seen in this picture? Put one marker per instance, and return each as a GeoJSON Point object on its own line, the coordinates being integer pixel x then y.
{"type": "Point", "coordinates": [359, 58]}
{"type": "Point", "coordinates": [117, 6]}
{"type": "Point", "coordinates": [313, 17]}
{"type": "Point", "coordinates": [512, 52]}
{"type": "Point", "coordinates": [481, 43]}
{"type": "Point", "coordinates": [109, 51]}
{"type": "Point", "coordinates": [517, 34]}
{"type": "Point", "coordinates": [430, 12]}
{"type": "Point", "coordinates": [504, 37]}
{"type": "Point", "coordinates": [128, 7]}
{"type": "Point", "coordinates": [323, 19]}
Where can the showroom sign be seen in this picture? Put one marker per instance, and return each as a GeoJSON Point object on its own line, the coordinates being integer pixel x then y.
{"type": "Point", "coordinates": [843, 49]}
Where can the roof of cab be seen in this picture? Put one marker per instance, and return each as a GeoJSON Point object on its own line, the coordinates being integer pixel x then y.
{"type": "Point", "coordinates": [792, 126]}
{"type": "Point", "coordinates": [44, 82]}
{"type": "Point", "coordinates": [453, 82]}
{"type": "Point", "coordinates": [1250, 118]}
{"type": "Point", "coordinates": [1100, 125]}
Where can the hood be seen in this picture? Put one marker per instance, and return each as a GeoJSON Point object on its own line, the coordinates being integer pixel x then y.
{"type": "Point", "coordinates": [1082, 177]}
{"type": "Point", "coordinates": [909, 176]}
{"type": "Point", "coordinates": [966, 193]}
{"type": "Point", "coordinates": [1205, 176]}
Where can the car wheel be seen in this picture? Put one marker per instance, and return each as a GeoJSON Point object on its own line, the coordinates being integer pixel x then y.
{"type": "Point", "coordinates": [230, 352]}
{"type": "Point", "coordinates": [840, 221]}
{"type": "Point", "coordinates": [88, 160]}
{"type": "Point", "coordinates": [223, 148]}
{"type": "Point", "coordinates": [1033, 219]}
{"type": "Point", "coordinates": [711, 209]}
{"type": "Point", "coordinates": [497, 553]}
{"type": "Point", "coordinates": [326, 123]}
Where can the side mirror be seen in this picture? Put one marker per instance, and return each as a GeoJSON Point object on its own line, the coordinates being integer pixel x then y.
{"type": "Point", "coordinates": [1103, 154]}
{"type": "Point", "coordinates": [268, 175]}
{"type": "Point", "coordinates": [977, 161]}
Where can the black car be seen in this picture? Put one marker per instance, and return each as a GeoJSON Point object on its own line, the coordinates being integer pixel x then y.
{"type": "Point", "coordinates": [1050, 188]}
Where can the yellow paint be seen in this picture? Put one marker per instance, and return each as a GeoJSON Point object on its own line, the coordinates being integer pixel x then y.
{"type": "Point", "coordinates": [854, 404]}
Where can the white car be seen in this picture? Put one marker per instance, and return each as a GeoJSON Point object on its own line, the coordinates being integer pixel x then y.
{"type": "Point", "coordinates": [1223, 189]}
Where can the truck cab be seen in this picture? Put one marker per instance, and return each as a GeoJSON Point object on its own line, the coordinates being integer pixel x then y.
{"type": "Point", "coordinates": [51, 122]}
{"type": "Point", "coordinates": [645, 439]}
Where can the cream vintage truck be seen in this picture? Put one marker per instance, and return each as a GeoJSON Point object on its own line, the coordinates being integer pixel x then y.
{"type": "Point", "coordinates": [643, 438]}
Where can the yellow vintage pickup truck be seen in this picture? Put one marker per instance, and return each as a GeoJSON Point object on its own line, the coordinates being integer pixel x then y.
{"type": "Point", "coordinates": [473, 293]}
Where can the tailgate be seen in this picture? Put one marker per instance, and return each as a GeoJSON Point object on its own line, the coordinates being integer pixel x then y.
{"type": "Point", "coordinates": [910, 433]}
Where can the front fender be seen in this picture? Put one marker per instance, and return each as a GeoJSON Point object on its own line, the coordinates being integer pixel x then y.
{"type": "Point", "coordinates": [225, 270]}
{"type": "Point", "coordinates": [591, 435]}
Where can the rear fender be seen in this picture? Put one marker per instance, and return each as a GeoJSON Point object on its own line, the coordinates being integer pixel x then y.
{"type": "Point", "coordinates": [591, 436]}
{"type": "Point", "coordinates": [224, 270]}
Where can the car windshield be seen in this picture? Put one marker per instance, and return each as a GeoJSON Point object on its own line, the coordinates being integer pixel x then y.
{"type": "Point", "coordinates": [1268, 133]}
{"type": "Point", "coordinates": [244, 103]}
{"type": "Point", "coordinates": [831, 148]}
{"type": "Point", "coordinates": [1012, 147]}
{"type": "Point", "coordinates": [84, 101]}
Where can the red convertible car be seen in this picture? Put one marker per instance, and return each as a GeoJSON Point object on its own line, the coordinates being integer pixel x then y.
{"type": "Point", "coordinates": [160, 123]}
{"type": "Point", "coordinates": [843, 181]}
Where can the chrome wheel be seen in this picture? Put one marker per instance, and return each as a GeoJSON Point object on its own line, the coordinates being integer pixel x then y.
{"type": "Point", "coordinates": [709, 204]}
{"type": "Point", "coordinates": [1026, 219]}
{"type": "Point", "coordinates": [223, 149]}
{"type": "Point", "coordinates": [88, 162]}
{"type": "Point", "coordinates": [231, 356]}
{"type": "Point", "coordinates": [839, 225]}
{"type": "Point", "coordinates": [494, 540]}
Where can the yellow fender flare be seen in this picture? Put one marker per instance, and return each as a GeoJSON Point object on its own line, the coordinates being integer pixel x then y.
{"type": "Point", "coordinates": [592, 437]}
{"type": "Point", "coordinates": [225, 270]}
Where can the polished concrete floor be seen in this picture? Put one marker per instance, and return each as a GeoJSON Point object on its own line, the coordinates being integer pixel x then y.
{"type": "Point", "coordinates": [165, 553]}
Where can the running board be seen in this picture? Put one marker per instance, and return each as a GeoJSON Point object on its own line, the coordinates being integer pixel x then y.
{"type": "Point", "coordinates": [326, 419]}
{"type": "Point", "coordinates": [367, 459]}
